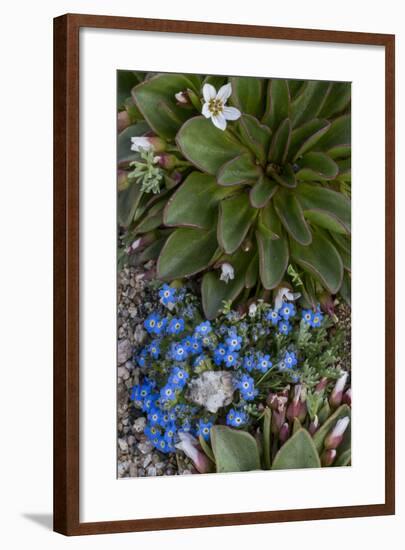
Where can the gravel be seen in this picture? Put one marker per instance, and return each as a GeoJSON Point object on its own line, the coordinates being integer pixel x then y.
{"type": "Point", "coordinates": [136, 455]}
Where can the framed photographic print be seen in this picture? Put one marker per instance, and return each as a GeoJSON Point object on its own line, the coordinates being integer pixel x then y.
{"type": "Point", "coordinates": [221, 287]}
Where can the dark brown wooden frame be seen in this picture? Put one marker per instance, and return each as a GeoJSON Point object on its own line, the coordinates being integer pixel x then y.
{"type": "Point", "coordinates": [66, 273]}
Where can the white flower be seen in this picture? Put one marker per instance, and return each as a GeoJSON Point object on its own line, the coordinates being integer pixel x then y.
{"type": "Point", "coordinates": [214, 106]}
{"type": "Point", "coordinates": [141, 143]}
{"type": "Point", "coordinates": [284, 293]}
{"type": "Point", "coordinates": [252, 309]}
{"type": "Point", "coordinates": [227, 272]}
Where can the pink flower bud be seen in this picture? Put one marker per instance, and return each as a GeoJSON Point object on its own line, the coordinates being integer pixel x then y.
{"type": "Point", "coordinates": [347, 397]}
{"type": "Point", "coordinates": [334, 438]}
{"type": "Point", "coordinates": [166, 161]}
{"type": "Point", "coordinates": [336, 396]}
{"type": "Point", "coordinates": [284, 432]}
{"type": "Point", "coordinates": [327, 304]}
{"type": "Point", "coordinates": [190, 447]}
{"type": "Point", "coordinates": [123, 121]}
{"type": "Point", "coordinates": [320, 387]}
{"type": "Point", "coordinates": [297, 408]}
{"type": "Point", "coordinates": [328, 457]}
{"type": "Point", "coordinates": [182, 98]}
{"type": "Point", "coordinates": [277, 420]}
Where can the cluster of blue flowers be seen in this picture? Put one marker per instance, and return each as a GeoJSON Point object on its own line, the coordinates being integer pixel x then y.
{"type": "Point", "coordinates": [313, 318]}
{"type": "Point", "coordinates": [179, 347]}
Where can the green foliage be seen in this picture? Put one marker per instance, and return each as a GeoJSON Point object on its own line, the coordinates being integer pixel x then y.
{"type": "Point", "coordinates": [274, 186]}
{"type": "Point", "coordinates": [298, 452]}
{"type": "Point", "coordinates": [234, 450]}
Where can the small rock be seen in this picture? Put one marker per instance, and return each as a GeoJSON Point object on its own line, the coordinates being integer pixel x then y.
{"type": "Point", "coordinates": [147, 461]}
{"type": "Point", "coordinates": [133, 470]}
{"type": "Point", "coordinates": [123, 468]}
{"type": "Point", "coordinates": [212, 390]}
{"type": "Point", "coordinates": [151, 471]}
{"type": "Point", "coordinates": [139, 425]}
{"type": "Point", "coordinates": [145, 447]}
{"type": "Point", "coordinates": [139, 335]}
{"type": "Point", "coordinates": [124, 351]}
{"type": "Point", "coordinates": [123, 373]}
{"type": "Point", "coordinates": [123, 445]}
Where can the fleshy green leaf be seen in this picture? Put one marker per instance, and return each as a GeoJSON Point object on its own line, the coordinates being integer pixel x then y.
{"type": "Point", "coordinates": [126, 80]}
{"type": "Point", "coordinates": [247, 94]}
{"type": "Point", "coordinates": [156, 100]}
{"type": "Point", "coordinates": [186, 252]}
{"type": "Point", "coordinates": [278, 103]}
{"type": "Point", "coordinates": [214, 291]}
{"type": "Point", "coordinates": [337, 140]}
{"type": "Point", "coordinates": [346, 289]}
{"type": "Point", "coordinates": [317, 166]}
{"type": "Point", "coordinates": [127, 203]}
{"type": "Point", "coordinates": [262, 192]}
{"type": "Point", "coordinates": [329, 424]}
{"type": "Point", "coordinates": [252, 272]}
{"type": "Point", "coordinates": [195, 203]}
{"type": "Point", "coordinates": [207, 147]}
{"type": "Point", "coordinates": [239, 170]}
{"type": "Point", "coordinates": [280, 143]}
{"type": "Point", "coordinates": [235, 218]}
{"type": "Point", "coordinates": [306, 136]}
{"type": "Point", "coordinates": [286, 177]}
{"type": "Point", "coordinates": [234, 451]}
{"type": "Point", "coordinates": [273, 258]}
{"type": "Point", "coordinates": [344, 459]}
{"type": "Point", "coordinates": [292, 217]}
{"type": "Point", "coordinates": [297, 452]}
{"type": "Point", "coordinates": [267, 438]}
{"type": "Point", "coordinates": [309, 101]}
{"type": "Point", "coordinates": [256, 136]}
{"type": "Point", "coordinates": [124, 153]}
{"type": "Point", "coordinates": [337, 100]}
{"type": "Point", "coordinates": [324, 207]}
{"type": "Point", "coordinates": [321, 259]}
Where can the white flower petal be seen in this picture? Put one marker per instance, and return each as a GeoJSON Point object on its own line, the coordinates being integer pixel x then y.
{"type": "Point", "coordinates": [219, 121]}
{"type": "Point", "coordinates": [206, 110]}
{"type": "Point", "coordinates": [224, 92]}
{"type": "Point", "coordinates": [141, 143]}
{"type": "Point", "coordinates": [231, 113]}
{"type": "Point", "coordinates": [209, 92]}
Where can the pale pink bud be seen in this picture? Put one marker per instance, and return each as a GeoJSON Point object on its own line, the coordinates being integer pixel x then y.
{"type": "Point", "coordinates": [284, 432]}
{"type": "Point", "coordinates": [123, 121]}
{"type": "Point", "coordinates": [334, 438]}
{"type": "Point", "coordinates": [277, 420]}
{"type": "Point", "coordinates": [166, 161]}
{"type": "Point", "coordinates": [190, 447]}
{"type": "Point", "coordinates": [336, 396]}
{"type": "Point", "coordinates": [347, 397]}
{"type": "Point", "coordinates": [297, 408]}
{"type": "Point", "coordinates": [327, 304]}
{"type": "Point", "coordinates": [182, 98]}
{"type": "Point", "coordinates": [328, 457]}
{"type": "Point", "coordinates": [320, 387]}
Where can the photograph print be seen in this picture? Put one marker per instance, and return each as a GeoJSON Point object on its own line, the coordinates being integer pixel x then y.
{"type": "Point", "coordinates": [233, 274]}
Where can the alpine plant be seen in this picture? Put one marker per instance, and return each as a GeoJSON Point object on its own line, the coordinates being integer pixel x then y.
{"type": "Point", "coordinates": [241, 183]}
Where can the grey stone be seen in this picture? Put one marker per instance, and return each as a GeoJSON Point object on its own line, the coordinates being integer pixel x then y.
{"type": "Point", "coordinates": [124, 351]}
{"type": "Point", "coordinates": [212, 390]}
